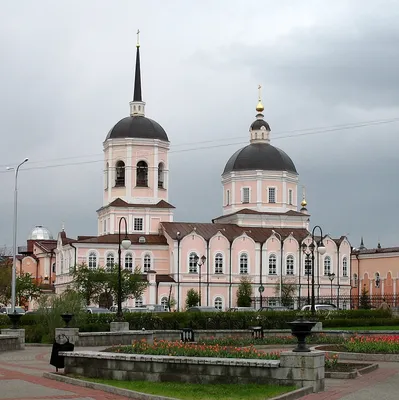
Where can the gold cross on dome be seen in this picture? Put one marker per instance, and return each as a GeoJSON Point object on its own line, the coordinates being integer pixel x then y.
{"type": "Point", "coordinates": [138, 38]}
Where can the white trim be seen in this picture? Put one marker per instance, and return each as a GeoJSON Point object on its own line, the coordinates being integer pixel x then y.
{"type": "Point", "coordinates": [214, 262]}
{"type": "Point", "coordinates": [242, 194]}
{"type": "Point", "coordinates": [268, 263]}
{"type": "Point", "coordinates": [97, 257]}
{"type": "Point", "coordinates": [248, 262]}
{"type": "Point", "coordinates": [143, 220]}
{"type": "Point", "coordinates": [188, 262]}
{"type": "Point", "coordinates": [275, 194]}
{"type": "Point", "coordinates": [285, 264]}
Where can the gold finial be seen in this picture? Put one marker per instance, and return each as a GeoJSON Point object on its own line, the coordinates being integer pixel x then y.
{"type": "Point", "coordinates": [304, 203]}
{"type": "Point", "coordinates": [138, 38]}
{"type": "Point", "coordinates": [260, 107]}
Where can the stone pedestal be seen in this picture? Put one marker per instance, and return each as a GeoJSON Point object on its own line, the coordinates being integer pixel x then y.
{"type": "Point", "coordinates": [306, 369]}
{"type": "Point", "coordinates": [16, 332]}
{"type": "Point", "coordinates": [71, 333]}
{"type": "Point", "coordinates": [119, 326]}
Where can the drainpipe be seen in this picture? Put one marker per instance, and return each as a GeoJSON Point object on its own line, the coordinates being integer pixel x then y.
{"type": "Point", "coordinates": [230, 273]}
{"type": "Point", "coordinates": [51, 267]}
{"type": "Point", "coordinates": [207, 272]}
{"type": "Point", "coordinates": [261, 272]}
{"type": "Point", "coordinates": [300, 276]}
{"type": "Point", "coordinates": [338, 272]}
{"type": "Point", "coordinates": [178, 237]}
{"type": "Point", "coordinates": [74, 266]}
{"type": "Point", "coordinates": [358, 280]}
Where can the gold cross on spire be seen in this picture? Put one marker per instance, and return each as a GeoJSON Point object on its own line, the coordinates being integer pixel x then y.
{"type": "Point", "coordinates": [260, 93]}
{"type": "Point", "coordinates": [260, 107]}
{"type": "Point", "coordinates": [138, 38]}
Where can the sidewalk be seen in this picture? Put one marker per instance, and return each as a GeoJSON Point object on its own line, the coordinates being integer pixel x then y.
{"type": "Point", "coordinates": [21, 379]}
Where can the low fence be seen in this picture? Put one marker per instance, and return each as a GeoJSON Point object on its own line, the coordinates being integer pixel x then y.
{"type": "Point", "coordinates": [12, 339]}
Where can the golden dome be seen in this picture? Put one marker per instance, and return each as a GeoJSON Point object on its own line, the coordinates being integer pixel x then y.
{"type": "Point", "coordinates": [260, 107]}
{"type": "Point", "coordinates": [304, 203]}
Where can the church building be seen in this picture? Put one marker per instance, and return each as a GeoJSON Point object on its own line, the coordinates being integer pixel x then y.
{"type": "Point", "coordinates": [261, 233]}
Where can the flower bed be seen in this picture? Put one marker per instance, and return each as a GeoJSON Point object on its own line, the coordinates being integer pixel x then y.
{"type": "Point", "coordinates": [377, 345]}
{"type": "Point", "coordinates": [176, 348]}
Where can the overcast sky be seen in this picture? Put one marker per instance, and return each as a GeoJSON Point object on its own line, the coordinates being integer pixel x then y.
{"type": "Point", "coordinates": [66, 76]}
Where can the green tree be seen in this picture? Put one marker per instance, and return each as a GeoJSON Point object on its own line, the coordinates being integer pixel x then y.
{"type": "Point", "coordinates": [365, 300]}
{"type": "Point", "coordinates": [192, 298]}
{"type": "Point", "coordinates": [244, 292]}
{"type": "Point", "coordinates": [5, 280]}
{"type": "Point", "coordinates": [26, 288]}
{"type": "Point", "coordinates": [288, 291]}
{"type": "Point", "coordinates": [89, 282]}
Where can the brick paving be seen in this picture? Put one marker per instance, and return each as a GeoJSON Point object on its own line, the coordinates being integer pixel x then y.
{"type": "Point", "coordinates": [21, 379]}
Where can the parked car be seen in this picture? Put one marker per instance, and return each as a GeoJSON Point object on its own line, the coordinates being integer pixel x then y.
{"type": "Point", "coordinates": [97, 310]}
{"type": "Point", "coordinates": [135, 309]}
{"type": "Point", "coordinates": [274, 308]}
{"type": "Point", "coordinates": [319, 307]}
{"type": "Point", "coordinates": [202, 309]}
{"type": "Point", "coordinates": [7, 310]}
{"type": "Point", "coordinates": [242, 309]}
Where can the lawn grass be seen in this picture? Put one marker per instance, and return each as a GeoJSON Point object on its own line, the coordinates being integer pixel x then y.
{"type": "Point", "coordinates": [364, 328]}
{"type": "Point", "coordinates": [191, 391]}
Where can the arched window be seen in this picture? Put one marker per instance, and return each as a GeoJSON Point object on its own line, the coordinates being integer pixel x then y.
{"type": "Point", "coordinates": [92, 260]}
{"type": "Point", "coordinates": [147, 263]}
{"type": "Point", "coordinates": [290, 265]}
{"type": "Point", "coordinates": [165, 303]}
{"type": "Point", "coordinates": [243, 263]}
{"type": "Point", "coordinates": [377, 280]}
{"type": "Point", "coordinates": [142, 174]}
{"type": "Point", "coordinates": [219, 303]}
{"type": "Point", "coordinates": [129, 262]}
{"type": "Point", "coordinates": [219, 263]}
{"type": "Point", "coordinates": [120, 173]}
{"type": "Point", "coordinates": [138, 302]}
{"type": "Point", "coordinates": [308, 266]}
{"type": "Point", "coordinates": [106, 176]}
{"type": "Point", "coordinates": [110, 261]}
{"type": "Point", "coordinates": [192, 263]}
{"type": "Point", "coordinates": [61, 264]}
{"type": "Point", "coordinates": [272, 265]}
{"type": "Point", "coordinates": [345, 267]}
{"type": "Point", "coordinates": [327, 265]}
{"type": "Point", "coordinates": [53, 270]}
{"type": "Point", "coordinates": [161, 175]}
{"type": "Point", "coordinates": [355, 280]}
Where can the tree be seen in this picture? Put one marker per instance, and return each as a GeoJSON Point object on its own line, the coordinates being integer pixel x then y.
{"type": "Point", "coordinates": [5, 279]}
{"type": "Point", "coordinates": [89, 282]}
{"type": "Point", "coordinates": [26, 288]}
{"type": "Point", "coordinates": [365, 300]}
{"type": "Point", "coordinates": [244, 292]}
{"type": "Point", "coordinates": [288, 291]}
{"type": "Point", "coordinates": [192, 298]}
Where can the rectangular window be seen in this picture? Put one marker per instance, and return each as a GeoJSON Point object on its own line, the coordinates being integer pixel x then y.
{"type": "Point", "coordinates": [245, 195]}
{"type": "Point", "coordinates": [227, 197]}
{"type": "Point", "coordinates": [290, 197]}
{"type": "Point", "coordinates": [272, 195]}
{"type": "Point", "coordinates": [138, 224]}
{"type": "Point", "coordinates": [105, 226]}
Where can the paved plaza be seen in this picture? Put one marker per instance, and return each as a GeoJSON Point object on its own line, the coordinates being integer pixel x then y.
{"type": "Point", "coordinates": [21, 379]}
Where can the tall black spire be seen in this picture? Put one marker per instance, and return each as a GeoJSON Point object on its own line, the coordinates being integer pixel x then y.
{"type": "Point", "coordinates": [137, 77]}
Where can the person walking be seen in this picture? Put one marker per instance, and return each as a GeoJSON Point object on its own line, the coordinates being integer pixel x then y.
{"type": "Point", "coordinates": [384, 305]}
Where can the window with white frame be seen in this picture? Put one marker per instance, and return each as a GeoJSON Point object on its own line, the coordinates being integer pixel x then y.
{"type": "Point", "coordinates": [147, 263]}
{"type": "Point", "coordinates": [245, 195]}
{"type": "Point", "coordinates": [355, 280]}
{"type": "Point", "coordinates": [243, 263]}
{"type": "Point", "coordinates": [218, 303]}
{"type": "Point", "coordinates": [219, 263]}
{"type": "Point", "coordinates": [272, 303]}
{"type": "Point", "coordinates": [272, 265]}
{"type": "Point", "coordinates": [227, 197]}
{"type": "Point", "coordinates": [345, 267]}
{"type": "Point", "coordinates": [105, 226]}
{"type": "Point", "coordinates": [272, 195]}
{"type": "Point", "coordinates": [290, 196]}
{"type": "Point", "coordinates": [290, 265]}
{"type": "Point", "coordinates": [61, 264]}
{"type": "Point", "coordinates": [138, 224]}
{"type": "Point", "coordinates": [308, 266]}
{"type": "Point", "coordinates": [110, 261]}
{"type": "Point", "coordinates": [327, 265]}
{"type": "Point", "coordinates": [192, 263]}
{"type": "Point", "coordinates": [92, 260]}
{"type": "Point", "coordinates": [129, 262]}
{"type": "Point", "coordinates": [138, 302]}
{"type": "Point", "coordinates": [165, 303]}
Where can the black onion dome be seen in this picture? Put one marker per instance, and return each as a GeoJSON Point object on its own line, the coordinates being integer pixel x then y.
{"type": "Point", "coordinates": [260, 156]}
{"type": "Point", "coordinates": [259, 123]}
{"type": "Point", "coordinates": [137, 127]}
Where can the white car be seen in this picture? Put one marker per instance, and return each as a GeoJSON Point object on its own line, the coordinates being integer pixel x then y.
{"type": "Point", "coordinates": [319, 307]}
{"type": "Point", "coordinates": [7, 310]}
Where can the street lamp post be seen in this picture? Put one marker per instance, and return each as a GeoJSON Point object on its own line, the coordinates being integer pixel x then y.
{"type": "Point", "coordinates": [331, 278]}
{"type": "Point", "coordinates": [14, 242]}
{"type": "Point", "coordinates": [307, 271]}
{"type": "Point", "coordinates": [200, 264]}
{"type": "Point", "coordinates": [125, 243]}
{"type": "Point", "coordinates": [281, 264]}
{"type": "Point", "coordinates": [321, 250]}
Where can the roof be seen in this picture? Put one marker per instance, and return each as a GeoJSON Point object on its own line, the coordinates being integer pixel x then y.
{"type": "Point", "coordinates": [249, 211]}
{"type": "Point", "coordinates": [231, 231]}
{"type": "Point", "coordinates": [377, 250]}
{"type": "Point", "coordinates": [47, 245]}
{"type": "Point", "coordinates": [114, 239]}
{"type": "Point", "coordinates": [259, 123]}
{"type": "Point", "coordinates": [122, 203]}
{"type": "Point", "coordinates": [260, 156]}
